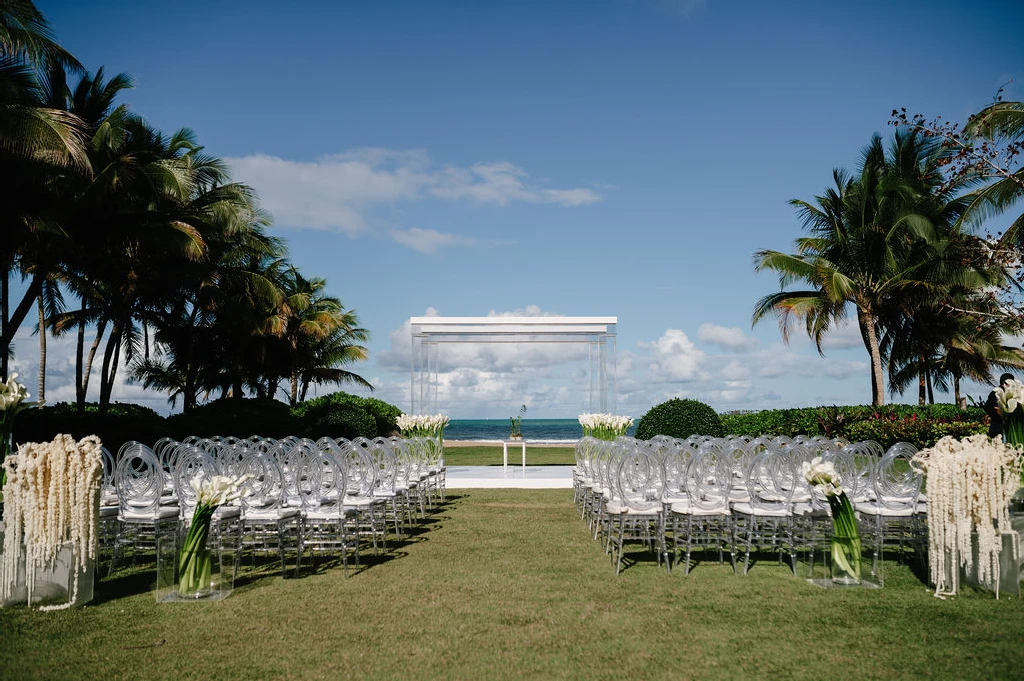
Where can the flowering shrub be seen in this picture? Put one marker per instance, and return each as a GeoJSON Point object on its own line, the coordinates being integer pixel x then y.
{"type": "Point", "coordinates": [923, 426]}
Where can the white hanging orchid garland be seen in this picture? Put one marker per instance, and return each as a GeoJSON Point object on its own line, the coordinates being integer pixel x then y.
{"type": "Point", "coordinates": [50, 499]}
{"type": "Point", "coordinates": [969, 484]}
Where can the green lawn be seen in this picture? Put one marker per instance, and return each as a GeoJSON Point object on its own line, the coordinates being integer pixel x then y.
{"type": "Point", "coordinates": [508, 584]}
{"type": "Point", "coordinates": [491, 455]}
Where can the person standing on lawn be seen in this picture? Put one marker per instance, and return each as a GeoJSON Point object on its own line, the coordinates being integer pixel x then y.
{"type": "Point", "coordinates": [995, 419]}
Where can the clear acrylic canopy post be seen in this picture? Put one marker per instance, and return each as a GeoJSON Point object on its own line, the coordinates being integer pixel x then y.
{"type": "Point", "coordinates": [430, 333]}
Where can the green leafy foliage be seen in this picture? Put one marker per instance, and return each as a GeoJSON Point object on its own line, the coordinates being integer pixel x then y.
{"type": "Point", "coordinates": [238, 417]}
{"type": "Point", "coordinates": [340, 420]}
{"type": "Point", "coordinates": [679, 418]}
{"type": "Point", "coordinates": [123, 422]}
{"type": "Point", "coordinates": [922, 426]}
{"type": "Point", "coordinates": [383, 413]}
{"type": "Point", "coordinates": [314, 415]}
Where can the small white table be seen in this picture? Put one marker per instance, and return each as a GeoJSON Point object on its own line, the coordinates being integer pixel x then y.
{"type": "Point", "coordinates": [504, 451]}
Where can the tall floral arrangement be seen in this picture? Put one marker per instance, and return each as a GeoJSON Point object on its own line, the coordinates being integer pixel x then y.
{"type": "Point", "coordinates": [846, 549]}
{"type": "Point", "coordinates": [51, 498]}
{"type": "Point", "coordinates": [1011, 408]}
{"type": "Point", "coordinates": [604, 426]}
{"type": "Point", "coordinates": [195, 562]}
{"type": "Point", "coordinates": [422, 425]}
{"type": "Point", "coordinates": [13, 399]}
{"type": "Point", "coordinates": [969, 484]}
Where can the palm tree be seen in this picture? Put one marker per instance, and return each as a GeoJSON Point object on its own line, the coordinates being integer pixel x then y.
{"type": "Point", "coordinates": [306, 320]}
{"type": "Point", "coordinates": [1000, 122]}
{"type": "Point", "coordinates": [37, 144]}
{"type": "Point", "coordinates": [322, 362]}
{"type": "Point", "coordinates": [867, 248]}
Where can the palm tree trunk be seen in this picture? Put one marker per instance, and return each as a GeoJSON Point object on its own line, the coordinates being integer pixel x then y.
{"type": "Point", "coordinates": [4, 302]}
{"type": "Point", "coordinates": [870, 334]}
{"type": "Point", "coordinates": [82, 389]}
{"type": "Point", "coordinates": [110, 360]}
{"type": "Point", "coordinates": [956, 391]}
{"type": "Point", "coordinates": [920, 388]}
{"type": "Point", "coordinates": [931, 393]}
{"type": "Point", "coordinates": [12, 321]}
{"type": "Point", "coordinates": [42, 351]}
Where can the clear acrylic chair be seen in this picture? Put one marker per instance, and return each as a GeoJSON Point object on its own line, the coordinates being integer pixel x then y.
{"type": "Point", "coordinates": [892, 517]}
{"type": "Point", "coordinates": [704, 519]}
{"type": "Point", "coordinates": [142, 518]}
{"type": "Point", "coordinates": [265, 516]}
{"type": "Point", "coordinates": [636, 511]}
{"type": "Point", "coordinates": [765, 522]}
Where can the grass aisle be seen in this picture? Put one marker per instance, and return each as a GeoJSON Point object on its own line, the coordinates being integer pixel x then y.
{"type": "Point", "coordinates": [507, 584]}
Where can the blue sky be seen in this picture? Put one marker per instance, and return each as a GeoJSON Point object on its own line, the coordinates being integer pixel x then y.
{"type": "Point", "coordinates": [619, 157]}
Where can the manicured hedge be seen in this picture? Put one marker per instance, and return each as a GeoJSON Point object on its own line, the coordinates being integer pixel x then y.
{"type": "Point", "coordinates": [122, 422]}
{"type": "Point", "coordinates": [336, 415]}
{"type": "Point", "coordinates": [887, 425]}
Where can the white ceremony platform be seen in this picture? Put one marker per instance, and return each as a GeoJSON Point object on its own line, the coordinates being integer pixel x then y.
{"type": "Point", "coordinates": [517, 477]}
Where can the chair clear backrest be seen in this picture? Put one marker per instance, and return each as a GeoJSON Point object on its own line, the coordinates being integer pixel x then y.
{"type": "Point", "coordinates": [896, 483]}
{"type": "Point", "coordinates": [194, 466]}
{"type": "Point", "coordinates": [769, 481]}
{"type": "Point", "coordinates": [640, 477]}
{"type": "Point", "coordinates": [139, 478]}
{"type": "Point", "coordinates": [264, 489]}
{"type": "Point", "coordinates": [677, 459]}
{"type": "Point", "coordinates": [709, 477]}
{"type": "Point", "coordinates": [360, 468]}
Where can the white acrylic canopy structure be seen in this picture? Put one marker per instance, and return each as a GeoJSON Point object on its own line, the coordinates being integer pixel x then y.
{"type": "Point", "coordinates": [429, 333]}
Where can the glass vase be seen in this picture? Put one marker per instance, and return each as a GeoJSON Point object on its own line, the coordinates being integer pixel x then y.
{"type": "Point", "coordinates": [195, 574]}
{"type": "Point", "coordinates": [846, 560]}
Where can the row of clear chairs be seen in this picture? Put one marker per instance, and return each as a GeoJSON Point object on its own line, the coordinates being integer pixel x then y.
{"type": "Point", "coordinates": [742, 496]}
{"type": "Point", "coordinates": [324, 496]}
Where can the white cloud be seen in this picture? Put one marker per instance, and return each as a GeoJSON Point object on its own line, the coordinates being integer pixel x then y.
{"type": "Point", "coordinates": [735, 371]}
{"type": "Point", "coordinates": [337, 192]}
{"type": "Point", "coordinates": [60, 374]}
{"type": "Point", "coordinates": [428, 240]}
{"type": "Point", "coordinates": [843, 337]}
{"type": "Point", "coordinates": [730, 338]}
{"type": "Point", "coordinates": [675, 357]}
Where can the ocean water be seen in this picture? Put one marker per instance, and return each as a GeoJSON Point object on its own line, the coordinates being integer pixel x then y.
{"type": "Point", "coordinates": [538, 430]}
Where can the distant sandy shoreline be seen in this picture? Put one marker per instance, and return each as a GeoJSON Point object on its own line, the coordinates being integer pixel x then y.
{"type": "Point", "coordinates": [497, 443]}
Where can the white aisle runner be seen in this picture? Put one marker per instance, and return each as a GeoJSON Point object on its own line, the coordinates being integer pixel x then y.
{"type": "Point", "coordinates": [531, 477]}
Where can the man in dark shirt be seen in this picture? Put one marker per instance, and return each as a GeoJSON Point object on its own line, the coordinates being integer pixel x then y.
{"type": "Point", "coordinates": [995, 419]}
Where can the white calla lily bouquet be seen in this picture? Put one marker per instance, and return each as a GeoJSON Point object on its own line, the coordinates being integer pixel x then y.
{"type": "Point", "coordinates": [13, 400]}
{"type": "Point", "coordinates": [846, 549]}
{"type": "Point", "coordinates": [422, 425]}
{"type": "Point", "coordinates": [1010, 400]}
{"type": "Point", "coordinates": [604, 426]}
{"type": "Point", "coordinates": [195, 563]}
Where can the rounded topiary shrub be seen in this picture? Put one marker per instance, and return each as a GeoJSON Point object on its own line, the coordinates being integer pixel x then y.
{"type": "Point", "coordinates": [339, 420]}
{"type": "Point", "coordinates": [680, 418]}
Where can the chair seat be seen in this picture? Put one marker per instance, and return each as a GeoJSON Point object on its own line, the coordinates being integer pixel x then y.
{"type": "Point", "coordinates": [687, 508]}
{"type": "Point", "coordinates": [159, 513]}
{"type": "Point", "coordinates": [619, 508]}
{"type": "Point", "coordinates": [876, 509]}
{"type": "Point", "coordinates": [329, 514]}
{"type": "Point", "coordinates": [268, 514]}
{"type": "Point", "coordinates": [749, 509]}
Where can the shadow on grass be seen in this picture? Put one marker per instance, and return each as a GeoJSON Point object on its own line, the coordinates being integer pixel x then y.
{"type": "Point", "coordinates": [136, 572]}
